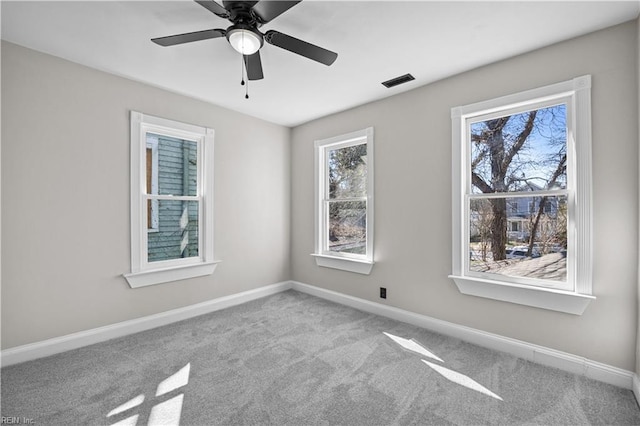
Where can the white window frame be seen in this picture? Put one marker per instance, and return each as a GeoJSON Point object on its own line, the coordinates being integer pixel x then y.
{"type": "Point", "coordinates": [577, 293]}
{"type": "Point", "coordinates": [144, 273]}
{"type": "Point", "coordinates": [357, 263]}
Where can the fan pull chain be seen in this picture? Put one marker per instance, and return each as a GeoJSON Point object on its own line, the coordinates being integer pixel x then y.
{"type": "Point", "coordinates": [242, 83]}
{"type": "Point", "coordinates": [241, 70]}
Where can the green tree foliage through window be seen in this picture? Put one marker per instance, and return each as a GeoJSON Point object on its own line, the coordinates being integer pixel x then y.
{"type": "Point", "coordinates": [347, 175]}
{"type": "Point", "coordinates": [524, 156]}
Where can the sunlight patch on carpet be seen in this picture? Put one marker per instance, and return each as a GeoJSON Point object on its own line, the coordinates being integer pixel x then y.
{"type": "Point", "coordinates": [166, 413]}
{"type": "Point", "coordinates": [461, 379]}
{"type": "Point", "coordinates": [134, 402]}
{"type": "Point", "coordinates": [453, 376]}
{"type": "Point", "coordinates": [412, 346]}
{"type": "Point", "coordinates": [179, 379]}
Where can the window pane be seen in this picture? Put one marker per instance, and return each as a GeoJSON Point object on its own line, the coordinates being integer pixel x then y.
{"type": "Point", "coordinates": [177, 235]}
{"type": "Point", "coordinates": [520, 152]}
{"type": "Point", "coordinates": [348, 227]}
{"type": "Point", "coordinates": [519, 237]}
{"type": "Point", "coordinates": [149, 188]}
{"type": "Point", "coordinates": [348, 172]}
{"type": "Point", "coordinates": [177, 166]}
{"type": "Point", "coordinates": [152, 214]}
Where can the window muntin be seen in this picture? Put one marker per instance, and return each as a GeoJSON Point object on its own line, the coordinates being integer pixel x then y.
{"type": "Point", "coordinates": [574, 196]}
{"type": "Point", "coordinates": [171, 200]}
{"type": "Point", "coordinates": [344, 201]}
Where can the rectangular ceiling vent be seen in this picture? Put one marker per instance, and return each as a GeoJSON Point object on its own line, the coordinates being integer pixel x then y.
{"type": "Point", "coordinates": [398, 80]}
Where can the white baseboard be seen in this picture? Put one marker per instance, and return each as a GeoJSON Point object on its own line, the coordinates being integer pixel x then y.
{"type": "Point", "coordinates": [538, 354]}
{"type": "Point", "coordinates": [84, 338]}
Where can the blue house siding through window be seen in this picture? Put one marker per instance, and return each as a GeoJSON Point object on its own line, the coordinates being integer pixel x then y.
{"type": "Point", "coordinates": [173, 228]}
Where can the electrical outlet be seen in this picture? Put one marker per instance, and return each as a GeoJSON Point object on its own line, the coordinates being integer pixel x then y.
{"type": "Point", "coordinates": [383, 292]}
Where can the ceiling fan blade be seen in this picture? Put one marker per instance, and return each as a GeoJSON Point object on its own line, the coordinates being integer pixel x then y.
{"type": "Point", "coordinates": [253, 64]}
{"type": "Point", "coordinates": [300, 47]}
{"type": "Point", "coordinates": [214, 7]}
{"type": "Point", "coordinates": [268, 10]}
{"type": "Point", "coordinates": [188, 37]}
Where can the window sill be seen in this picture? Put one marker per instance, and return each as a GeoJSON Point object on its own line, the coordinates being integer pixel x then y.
{"type": "Point", "coordinates": [545, 298]}
{"type": "Point", "coordinates": [159, 276]}
{"type": "Point", "coordinates": [345, 264]}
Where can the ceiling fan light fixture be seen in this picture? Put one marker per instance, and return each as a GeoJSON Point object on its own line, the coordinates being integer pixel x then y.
{"type": "Point", "coordinates": [244, 41]}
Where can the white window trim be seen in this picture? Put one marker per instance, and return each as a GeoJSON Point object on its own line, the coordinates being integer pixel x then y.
{"type": "Point", "coordinates": [145, 273]}
{"type": "Point", "coordinates": [574, 302]}
{"type": "Point", "coordinates": [361, 264]}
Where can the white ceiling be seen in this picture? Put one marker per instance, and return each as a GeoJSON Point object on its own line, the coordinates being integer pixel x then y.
{"type": "Point", "coordinates": [375, 41]}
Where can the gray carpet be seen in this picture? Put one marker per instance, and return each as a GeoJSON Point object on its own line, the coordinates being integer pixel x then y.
{"type": "Point", "coordinates": [293, 359]}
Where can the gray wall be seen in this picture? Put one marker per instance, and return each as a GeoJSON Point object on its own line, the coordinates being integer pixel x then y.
{"type": "Point", "coordinates": [65, 199]}
{"type": "Point", "coordinates": [413, 198]}
{"type": "Point", "coordinates": [638, 336]}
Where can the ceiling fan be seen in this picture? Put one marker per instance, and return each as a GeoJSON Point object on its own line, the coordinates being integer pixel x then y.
{"type": "Point", "coordinates": [244, 34]}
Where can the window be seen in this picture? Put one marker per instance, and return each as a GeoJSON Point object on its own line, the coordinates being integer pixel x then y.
{"type": "Point", "coordinates": [522, 197]}
{"type": "Point", "coordinates": [171, 201]}
{"type": "Point", "coordinates": [344, 202]}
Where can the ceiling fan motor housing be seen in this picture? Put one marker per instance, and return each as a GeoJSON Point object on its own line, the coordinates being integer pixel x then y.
{"type": "Point", "coordinates": [244, 38]}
